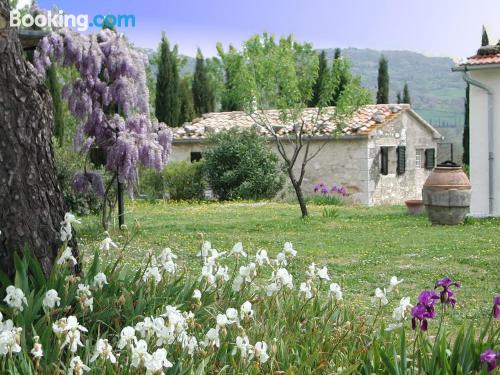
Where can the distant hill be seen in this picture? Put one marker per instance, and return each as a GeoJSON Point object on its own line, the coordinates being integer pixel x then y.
{"type": "Point", "coordinates": [437, 93]}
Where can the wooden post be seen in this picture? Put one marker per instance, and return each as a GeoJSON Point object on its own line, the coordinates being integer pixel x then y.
{"type": "Point", "coordinates": [121, 205]}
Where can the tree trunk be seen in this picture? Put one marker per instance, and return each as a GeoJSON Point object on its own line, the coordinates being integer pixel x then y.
{"type": "Point", "coordinates": [31, 201]}
{"type": "Point", "coordinates": [298, 192]}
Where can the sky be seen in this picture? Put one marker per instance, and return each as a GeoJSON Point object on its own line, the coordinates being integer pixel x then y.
{"type": "Point", "coordinates": [433, 27]}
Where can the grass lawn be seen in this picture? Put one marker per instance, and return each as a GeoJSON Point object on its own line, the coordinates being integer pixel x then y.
{"type": "Point", "coordinates": [363, 247]}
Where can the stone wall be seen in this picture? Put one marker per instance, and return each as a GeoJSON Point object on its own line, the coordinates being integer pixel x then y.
{"type": "Point", "coordinates": [343, 162]}
{"type": "Point", "coordinates": [393, 188]}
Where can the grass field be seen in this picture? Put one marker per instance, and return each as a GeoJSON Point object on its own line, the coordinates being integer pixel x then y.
{"type": "Point", "coordinates": [363, 247]}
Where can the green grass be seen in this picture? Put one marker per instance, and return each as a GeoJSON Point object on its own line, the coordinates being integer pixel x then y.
{"type": "Point", "coordinates": [363, 247]}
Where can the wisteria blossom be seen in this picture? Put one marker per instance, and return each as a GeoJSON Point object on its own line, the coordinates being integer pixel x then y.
{"type": "Point", "coordinates": [112, 75]}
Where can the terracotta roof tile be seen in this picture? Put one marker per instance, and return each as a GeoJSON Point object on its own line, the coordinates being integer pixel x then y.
{"type": "Point", "coordinates": [483, 59]}
{"type": "Point", "coordinates": [363, 121]}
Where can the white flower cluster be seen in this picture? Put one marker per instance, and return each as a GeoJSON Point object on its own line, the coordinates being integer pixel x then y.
{"type": "Point", "coordinates": [165, 264]}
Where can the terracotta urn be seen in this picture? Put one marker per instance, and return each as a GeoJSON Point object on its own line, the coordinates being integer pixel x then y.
{"type": "Point", "coordinates": [415, 206]}
{"type": "Point", "coordinates": [446, 194]}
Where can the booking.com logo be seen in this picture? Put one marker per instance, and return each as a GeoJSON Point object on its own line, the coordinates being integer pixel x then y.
{"type": "Point", "coordinates": [79, 22]}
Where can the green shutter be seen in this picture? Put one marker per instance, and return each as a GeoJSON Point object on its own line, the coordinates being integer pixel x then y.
{"type": "Point", "coordinates": [401, 151]}
{"type": "Point", "coordinates": [430, 158]}
{"type": "Point", "coordinates": [384, 160]}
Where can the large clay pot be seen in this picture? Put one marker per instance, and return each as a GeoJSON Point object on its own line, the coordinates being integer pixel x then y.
{"type": "Point", "coordinates": [446, 194]}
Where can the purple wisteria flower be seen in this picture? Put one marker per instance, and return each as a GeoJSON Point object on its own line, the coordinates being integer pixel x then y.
{"type": "Point", "coordinates": [496, 307]}
{"type": "Point", "coordinates": [490, 358]}
{"type": "Point", "coordinates": [447, 295]}
{"type": "Point", "coordinates": [424, 309]}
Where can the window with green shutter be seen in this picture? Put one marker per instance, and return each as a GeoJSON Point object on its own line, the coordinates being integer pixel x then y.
{"type": "Point", "coordinates": [384, 160]}
{"type": "Point", "coordinates": [430, 158]}
{"type": "Point", "coordinates": [401, 152]}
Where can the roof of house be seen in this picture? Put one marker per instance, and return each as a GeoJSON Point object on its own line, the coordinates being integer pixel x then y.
{"type": "Point", "coordinates": [486, 55]}
{"type": "Point", "coordinates": [362, 122]}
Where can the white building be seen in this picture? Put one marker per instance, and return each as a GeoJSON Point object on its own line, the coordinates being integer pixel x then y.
{"type": "Point", "coordinates": [383, 156]}
{"type": "Point", "coordinates": [482, 72]}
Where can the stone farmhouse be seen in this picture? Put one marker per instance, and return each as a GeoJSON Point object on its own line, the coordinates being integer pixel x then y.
{"type": "Point", "coordinates": [382, 154]}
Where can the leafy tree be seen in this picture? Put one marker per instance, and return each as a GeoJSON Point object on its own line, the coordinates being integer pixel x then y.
{"type": "Point", "coordinates": [465, 136]}
{"type": "Point", "coordinates": [406, 94]}
{"type": "Point", "coordinates": [485, 41]}
{"type": "Point", "coordinates": [239, 164]}
{"type": "Point", "coordinates": [203, 95]}
{"type": "Point", "coordinates": [216, 73]}
{"type": "Point", "coordinates": [281, 74]}
{"type": "Point", "coordinates": [383, 81]}
{"type": "Point", "coordinates": [399, 100]}
{"type": "Point", "coordinates": [167, 102]}
{"type": "Point", "coordinates": [323, 71]}
{"type": "Point", "coordinates": [187, 109]}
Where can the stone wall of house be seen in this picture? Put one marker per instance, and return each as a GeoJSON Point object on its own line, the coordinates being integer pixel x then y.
{"type": "Point", "coordinates": [355, 162]}
{"type": "Point", "coordinates": [393, 188]}
{"type": "Point", "coordinates": [343, 162]}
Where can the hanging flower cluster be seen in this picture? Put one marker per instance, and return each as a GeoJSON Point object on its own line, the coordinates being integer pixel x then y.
{"type": "Point", "coordinates": [110, 102]}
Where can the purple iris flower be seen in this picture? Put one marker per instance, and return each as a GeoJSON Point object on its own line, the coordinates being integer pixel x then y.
{"type": "Point", "coordinates": [319, 187]}
{"type": "Point", "coordinates": [324, 189]}
{"type": "Point", "coordinates": [447, 295]}
{"type": "Point", "coordinates": [424, 309]}
{"type": "Point", "coordinates": [496, 307]}
{"type": "Point", "coordinates": [489, 357]}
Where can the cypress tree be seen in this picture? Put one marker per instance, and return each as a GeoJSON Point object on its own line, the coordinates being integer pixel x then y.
{"type": "Point", "coordinates": [465, 136]}
{"type": "Point", "coordinates": [203, 95]}
{"type": "Point", "coordinates": [383, 81]}
{"type": "Point", "coordinates": [336, 54]}
{"type": "Point", "coordinates": [55, 91]}
{"type": "Point", "coordinates": [342, 77]}
{"type": "Point", "coordinates": [484, 38]}
{"type": "Point", "coordinates": [187, 110]}
{"type": "Point", "coordinates": [167, 103]}
{"type": "Point", "coordinates": [406, 94]}
{"type": "Point", "coordinates": [398, 98]}
{"type": "Point", "coordinates": [320, 80]}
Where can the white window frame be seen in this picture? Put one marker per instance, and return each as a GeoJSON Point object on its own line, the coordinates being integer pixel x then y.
{"type": "Point", "coordinates": [419, 158]}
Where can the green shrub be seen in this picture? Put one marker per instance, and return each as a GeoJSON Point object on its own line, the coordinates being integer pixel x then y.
{"type": "Point", "coordinates": [184, 180]}
{"type": "Point", "coordinates": [151, 183]}
{"type": "Point", "coordinates": [240, 165]}
{"type": "Point", "coordinates": [67, 164]}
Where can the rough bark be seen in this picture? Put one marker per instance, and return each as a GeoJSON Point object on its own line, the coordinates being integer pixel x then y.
{"type": "Point", "coordinates": [31, 201]}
